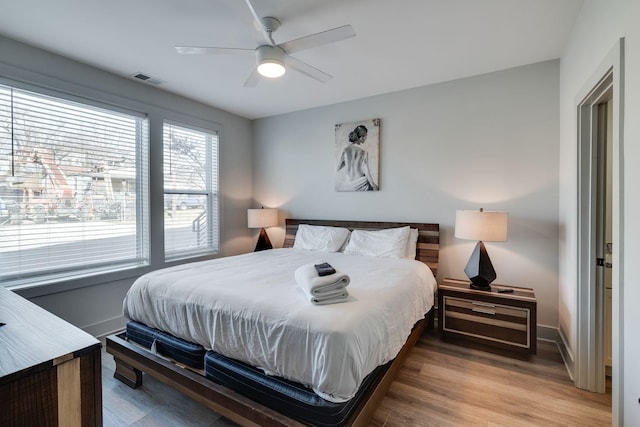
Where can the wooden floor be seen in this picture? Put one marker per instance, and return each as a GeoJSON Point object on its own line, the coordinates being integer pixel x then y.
{"type": "Point", "coordinates": [441, 384]}
{"type": "Point", "coordinates": [152, 405]}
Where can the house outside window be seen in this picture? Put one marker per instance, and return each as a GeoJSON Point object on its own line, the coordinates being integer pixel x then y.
{"type": "Point", "coordinates": [190, 191]}
{"type": "Point", "coordinates": [73, 188]}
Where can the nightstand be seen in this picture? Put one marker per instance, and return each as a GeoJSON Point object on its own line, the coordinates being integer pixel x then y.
{"type": "Point", "coordinates": [502, 320]}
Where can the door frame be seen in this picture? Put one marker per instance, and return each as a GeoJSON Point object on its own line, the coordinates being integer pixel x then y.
{"type": "Point", "coordinates": [606, 81]}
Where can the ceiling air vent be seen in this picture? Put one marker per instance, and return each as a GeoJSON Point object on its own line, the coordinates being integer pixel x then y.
{"type": "Point", "coordinates": [147, 79]}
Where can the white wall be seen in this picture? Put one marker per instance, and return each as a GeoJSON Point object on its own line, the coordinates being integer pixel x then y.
{"type": "Point", "coordinates": [98, 308]}
{"type": "Point", "coordinates": [598, 27]}
{"type": "Point", "coordinates": [488, 141]}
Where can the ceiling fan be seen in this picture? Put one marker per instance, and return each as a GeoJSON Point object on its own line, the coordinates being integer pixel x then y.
{"type": "Point", "coordinates": [272, 58]}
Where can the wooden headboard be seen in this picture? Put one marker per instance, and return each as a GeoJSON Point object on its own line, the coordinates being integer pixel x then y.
{"type": "Point", "coordinates": [428, 235]}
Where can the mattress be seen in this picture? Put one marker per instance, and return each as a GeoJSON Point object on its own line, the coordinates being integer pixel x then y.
{"type": "Point", "coordinates": [287, 397]}
{"type": "Point", "coordinates": [181, 351]}
{"type": "Point", "coordinates": [250, 309]}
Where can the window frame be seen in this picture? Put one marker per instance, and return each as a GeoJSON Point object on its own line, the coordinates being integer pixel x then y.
{"type": "Point", "coordinates": [75, 277]}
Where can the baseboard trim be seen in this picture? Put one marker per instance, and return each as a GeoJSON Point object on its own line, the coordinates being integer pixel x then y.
{"type": "Point", "coordinates": [555, 335]}
{"type": "Point", "coordinates": [566, 354]}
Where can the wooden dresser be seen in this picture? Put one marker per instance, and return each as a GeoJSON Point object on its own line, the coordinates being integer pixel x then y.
{"type": "Point", "coordinates": [503, 320]}
{"type": "Point", "coordinates": [50, 371]}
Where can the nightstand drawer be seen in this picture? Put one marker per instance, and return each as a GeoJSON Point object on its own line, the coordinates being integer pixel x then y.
{"type": "Point", "coordinates": [479, 308]}
{"type": "Point", "coordinates": [504, 320]}
{"type": "Point", "coordinates": [488, 321]}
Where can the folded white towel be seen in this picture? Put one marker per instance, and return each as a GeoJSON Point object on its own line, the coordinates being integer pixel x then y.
{"type": "Point", "coordinates": [314, 285]}
{"type": "Point", "coordinates": [330, 298]}
{"type": "Point", "coordinates": [321, 290]}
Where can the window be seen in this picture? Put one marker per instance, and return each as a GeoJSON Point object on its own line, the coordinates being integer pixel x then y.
{"type": "Point", "coordinates": [190, 191]}
{"type": "Point", "coordinates": [73, 193]}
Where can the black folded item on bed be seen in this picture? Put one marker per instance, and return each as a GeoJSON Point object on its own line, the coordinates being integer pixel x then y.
{"type": "Point", "coordinates": [181, 351]}
{"type": "Point", "coordinates": [287, 397]}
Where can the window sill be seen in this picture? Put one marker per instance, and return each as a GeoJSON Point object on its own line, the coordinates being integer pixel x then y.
{"type": "Point", "coordinates": [38, 289]}
{"type": "Point", "coordinates": [53, 286]}
{"type": "Point", "coordinates": [182, 257]}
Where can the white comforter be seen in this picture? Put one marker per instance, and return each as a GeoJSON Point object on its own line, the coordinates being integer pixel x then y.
{"type": "Point", "coordinates": [249, 308]}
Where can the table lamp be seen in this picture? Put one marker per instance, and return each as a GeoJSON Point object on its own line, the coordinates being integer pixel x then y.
{"type": "Point", "coordinates": [262, 218]}
{"type": "Point", "coordinates": [483, 226]}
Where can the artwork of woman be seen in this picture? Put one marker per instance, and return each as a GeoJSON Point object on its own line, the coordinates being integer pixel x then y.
{"type": "Point", "coordinates": [353, 172]}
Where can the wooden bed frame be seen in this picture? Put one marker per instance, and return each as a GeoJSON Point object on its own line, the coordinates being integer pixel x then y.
{"type": "Point", "coordinates": [131, 360]}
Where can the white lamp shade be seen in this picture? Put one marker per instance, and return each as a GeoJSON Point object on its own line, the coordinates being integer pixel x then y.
{"type": "Point", "coordinates": [486, 226]}
{"type": "Point", "coordinates": [262, 218]}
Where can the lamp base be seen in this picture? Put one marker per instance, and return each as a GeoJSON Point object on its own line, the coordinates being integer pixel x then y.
{"type": "Point", "coordinates": [480, 288]}
{"type": "Point", "coordinates": [479, 269]}
{"type": "Point", "coordinates": [263, 242]}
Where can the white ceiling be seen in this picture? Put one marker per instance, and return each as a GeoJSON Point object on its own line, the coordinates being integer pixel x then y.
{"type": "Point", "coordinates": [398, 45]}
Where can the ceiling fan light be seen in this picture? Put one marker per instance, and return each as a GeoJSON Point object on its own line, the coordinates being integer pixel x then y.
{"type": "Point", "coordinates": [271, 69]}
{"type": "Point", "coordinates": [271, 61]}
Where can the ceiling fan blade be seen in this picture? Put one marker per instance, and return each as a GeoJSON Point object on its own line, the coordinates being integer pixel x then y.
{"type": "Point", "coordinates": [212, 50]}
{"type": "Point", "coordinates": [257, 22]}
{"type": "Point", "coordinates": [253, 79]}
{"type": "Point", "coordinates": [318, 39]}
{"type": "Point", "coordinates": [307, 69]}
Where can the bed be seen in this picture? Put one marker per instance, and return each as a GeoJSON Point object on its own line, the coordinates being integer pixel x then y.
{"type": "Point", "coordinates": [229, 381]}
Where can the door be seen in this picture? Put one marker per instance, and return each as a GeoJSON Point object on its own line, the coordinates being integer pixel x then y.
{"type": "Point", "coordinates": [603, 220]}
{"type": "Point", "coordinates": [608, 241]}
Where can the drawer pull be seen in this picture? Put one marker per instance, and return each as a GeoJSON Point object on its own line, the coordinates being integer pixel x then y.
{"type": "Point", "coordinates": [483, 311]}
{"type": "Point", "coordinates": [483, 304]}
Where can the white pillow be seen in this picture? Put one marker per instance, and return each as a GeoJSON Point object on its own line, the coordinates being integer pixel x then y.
{"type": "Point", "coordinates": [320, 238]}
{"type": "Point", "coordinates": [388, 243]}
{"type": "Point", "coordinates": [412, 244]}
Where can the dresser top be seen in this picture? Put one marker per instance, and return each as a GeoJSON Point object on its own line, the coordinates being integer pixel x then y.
{"type": "Point", "coordinates": [32, 336]}
{"type": "Point", "coordinates": [518, 293]}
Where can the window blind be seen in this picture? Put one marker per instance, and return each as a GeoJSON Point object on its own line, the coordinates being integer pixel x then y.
{"type": "Point", "coordinates": [73, 188]}
{"type": "Point", "coordinates": [190, 191]}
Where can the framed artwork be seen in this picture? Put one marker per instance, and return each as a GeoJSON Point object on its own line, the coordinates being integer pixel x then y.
{"type": "Point", "coordinates": [357, 154]}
